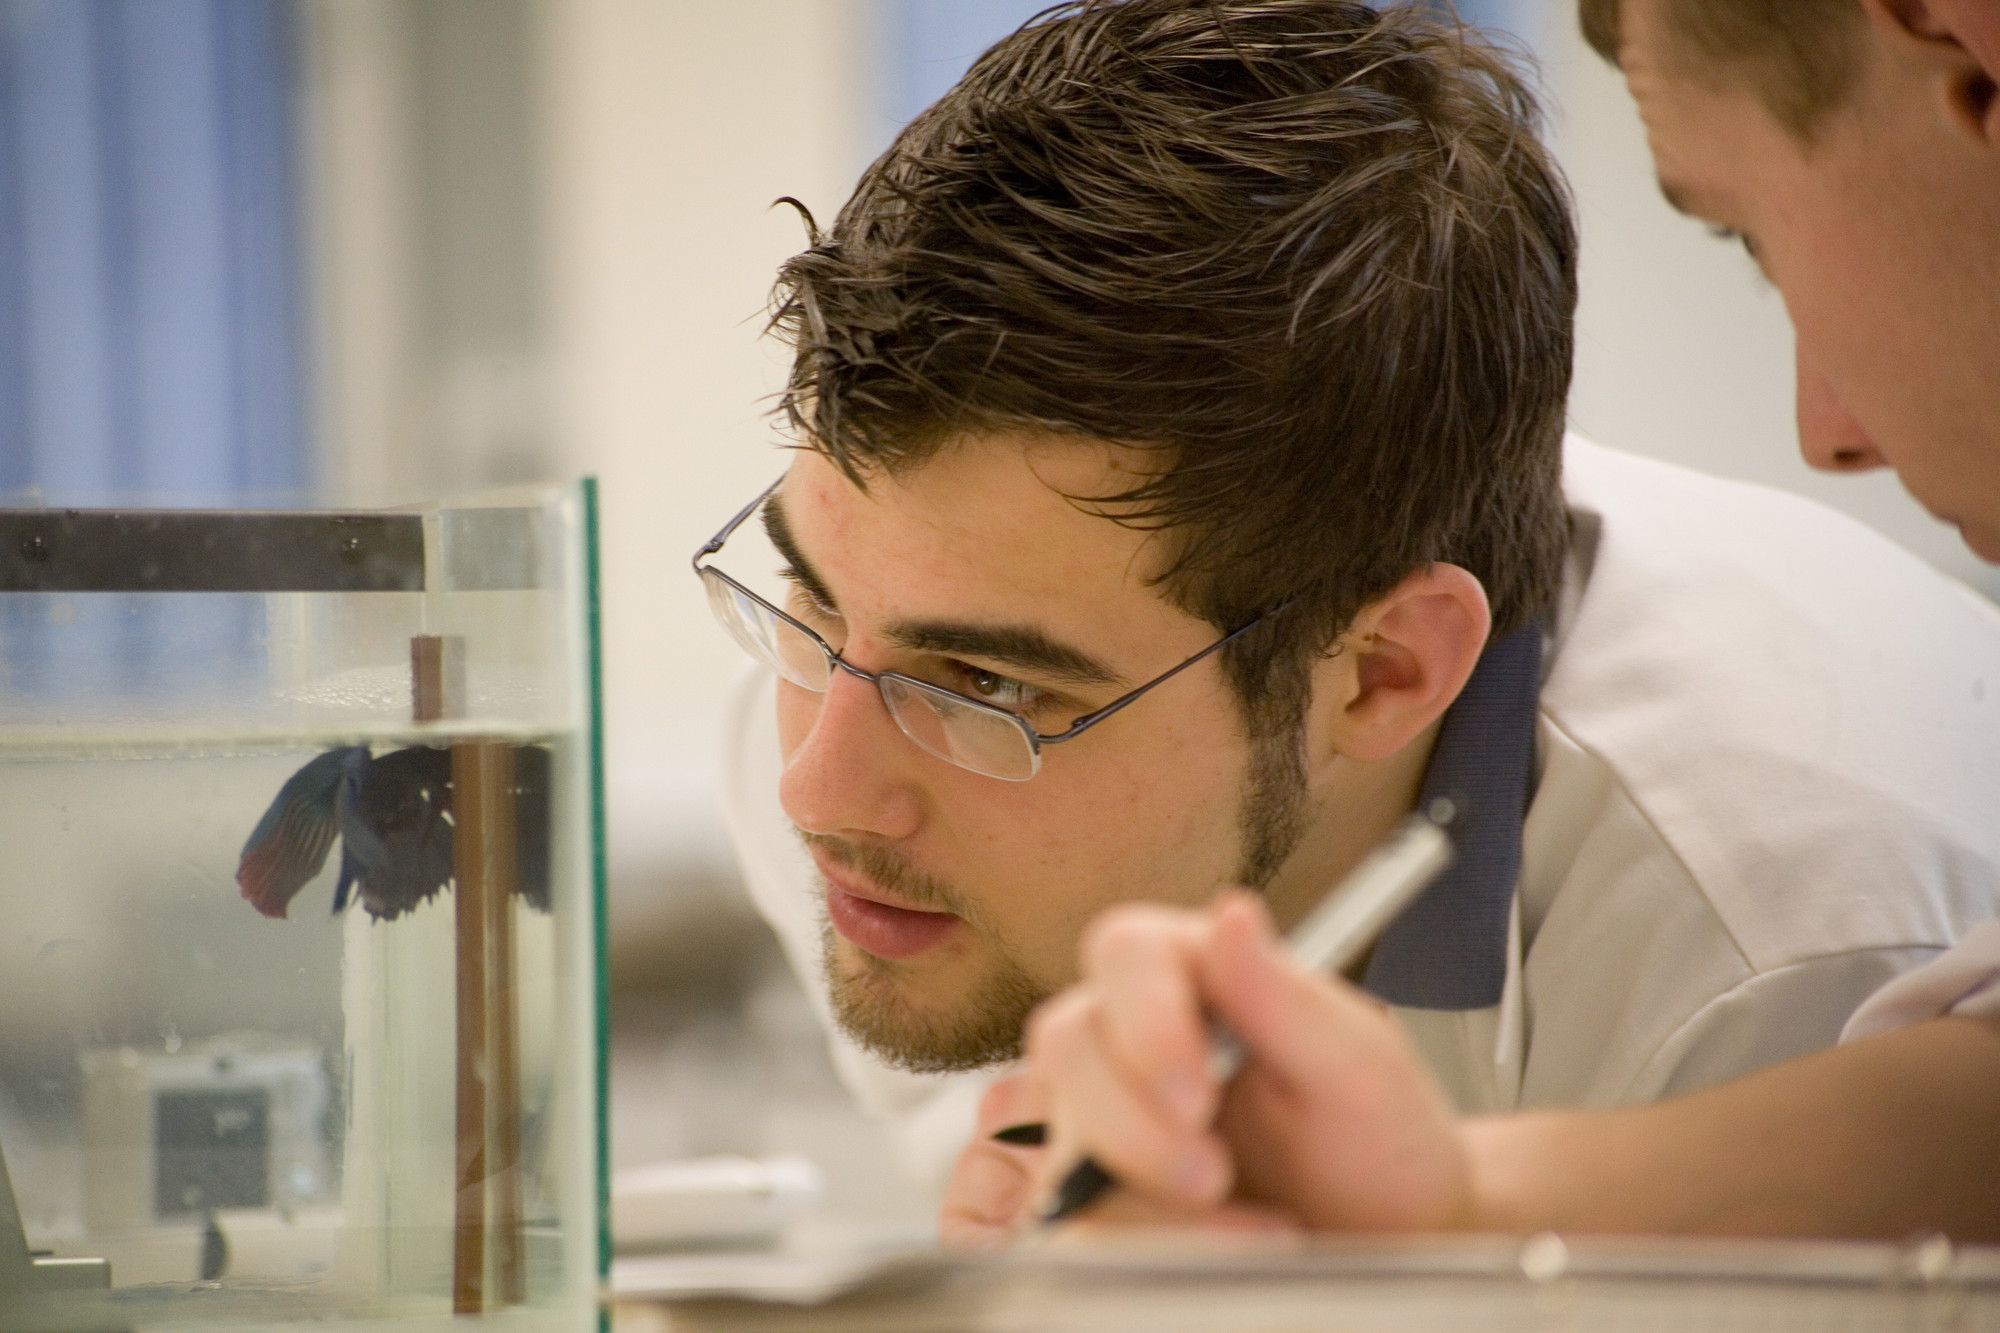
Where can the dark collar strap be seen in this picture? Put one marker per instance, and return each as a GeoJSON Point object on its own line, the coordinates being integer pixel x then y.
{"type": "Point", "coordinates": [1448, 950]}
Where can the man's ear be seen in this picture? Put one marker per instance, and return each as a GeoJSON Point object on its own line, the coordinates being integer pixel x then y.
{"type": "Point", "coordinates": [1400, 664]}
{"type": "Point", "coordinates": [1960, 41]}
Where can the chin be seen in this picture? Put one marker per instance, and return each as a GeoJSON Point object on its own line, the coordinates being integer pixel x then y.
{"type": "Point", "coordinates": [882, 1006]}
{"type": "Point", "coordinates": [1984, 539]}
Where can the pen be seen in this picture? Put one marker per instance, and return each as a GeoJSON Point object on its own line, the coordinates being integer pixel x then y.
{"type": "Point", "coordinates": [1327, 939]}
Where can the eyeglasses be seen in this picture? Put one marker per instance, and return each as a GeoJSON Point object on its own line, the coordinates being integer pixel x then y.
{"type": "Point", "coordinates": [968, 732]}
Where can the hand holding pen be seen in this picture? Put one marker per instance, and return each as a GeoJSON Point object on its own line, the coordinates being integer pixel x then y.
{"type": "Point", "coordinates": [1333, 1121]}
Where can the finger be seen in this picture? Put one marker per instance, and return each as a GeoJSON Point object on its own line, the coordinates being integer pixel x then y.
{"type": "Point", "coordinates": [1140, 961]}
{"type": "Point", "coordinates": [991, 1194]}
{"type": "Point", "coordinates": [962, 1237]}
{"type": "Point", "coordinates": [1095, 1110]}
{"type": "Point", "coordinates": [1335, 1114]}
{"type": "Point", "coordinates": [1010, 1101]}
{"type": "Point", "coordinates": [1122, 1207]}
{"type": "Point", "coordinates": [990, 1198]}
{"type": "Point", "coordinates": [1301, 1028]}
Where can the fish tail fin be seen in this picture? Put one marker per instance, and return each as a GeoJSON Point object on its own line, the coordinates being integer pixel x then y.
{"type": "Point", "coordinates": [290, 842]}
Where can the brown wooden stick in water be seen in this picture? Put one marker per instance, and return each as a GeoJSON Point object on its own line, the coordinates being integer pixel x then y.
{"type": "Point", "coordinates": [495, 763]}
{"type": "Point", "coordinates": [430, 681]}
{"type": "Point", "coordinates": [468, 1250]}
{"type": "Point", "coordinates": [488, 1205]}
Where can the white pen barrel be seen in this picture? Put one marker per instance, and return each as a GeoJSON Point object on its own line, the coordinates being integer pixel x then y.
{"type": "Point", "coordinates": [1334, 933]}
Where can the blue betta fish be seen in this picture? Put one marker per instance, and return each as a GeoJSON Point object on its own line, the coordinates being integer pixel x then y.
{"type": "Point", "coordinates": [393, 818]}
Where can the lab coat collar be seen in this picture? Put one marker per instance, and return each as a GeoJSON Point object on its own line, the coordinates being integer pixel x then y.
{"type": "Point", "coordinates": [1449, 950]}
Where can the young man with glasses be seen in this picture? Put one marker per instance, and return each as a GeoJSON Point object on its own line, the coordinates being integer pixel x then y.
{"type": "Point", "coordinates": [1182, 497]}
{"type": "Point", "coordinates": [1853, 147]}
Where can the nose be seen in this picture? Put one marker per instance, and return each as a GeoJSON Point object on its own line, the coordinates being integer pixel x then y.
{"type": "Point", "coordinates": [849, 771]}
{"type": "Point", "coordinates": [1829, 436]}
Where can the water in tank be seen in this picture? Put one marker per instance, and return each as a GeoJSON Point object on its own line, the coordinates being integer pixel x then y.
{"type": "Point", "coordinates": [299, 916]}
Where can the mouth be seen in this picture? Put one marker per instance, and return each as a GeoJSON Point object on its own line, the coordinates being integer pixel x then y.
{"type": "Point", "coordinates": [870, 917]}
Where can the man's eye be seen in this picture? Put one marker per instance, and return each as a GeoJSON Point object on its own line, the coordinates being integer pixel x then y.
{"type": "Point", "coordinates": [807, 609]}
{"type": "Point", "coordinates": [1000, 691]}
{"type": "Point", "coordinates": [799, 599]}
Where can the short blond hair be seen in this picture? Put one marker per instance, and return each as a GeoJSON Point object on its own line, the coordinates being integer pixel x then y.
{"type": "Point", "coordinates": [1799, 55]}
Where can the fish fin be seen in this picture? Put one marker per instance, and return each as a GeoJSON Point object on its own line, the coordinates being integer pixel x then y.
{"type": "Point", "coordinates": [349, 873]}
{"type": "Point", "coordinates": [360, 844]}
{"type": "Point", "coordinates": [289, 845]}
{"type": "Point", "coordinates": [402, 809]}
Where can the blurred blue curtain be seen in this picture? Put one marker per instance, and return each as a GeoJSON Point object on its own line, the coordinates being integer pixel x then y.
{"type": "Point", "coordinates": [150, 339]}
{"type": "Point", "coordinates": [1519, 17]}
{"type": "Point", "coordinates": [929, 44]}
{"type": "Point", "coordinates": [149, 261]}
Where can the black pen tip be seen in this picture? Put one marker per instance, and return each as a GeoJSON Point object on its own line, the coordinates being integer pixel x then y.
{"type": "Point", "coordinates": [1079, 1189]}
{"type": "Point", "coordinates": [1031, 1135]}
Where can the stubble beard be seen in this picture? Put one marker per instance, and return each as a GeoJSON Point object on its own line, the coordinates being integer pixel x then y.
{"type": "Point", "coordinates": [985, 1027]}
{"type": "Point", "coordinates": [1272, 816]}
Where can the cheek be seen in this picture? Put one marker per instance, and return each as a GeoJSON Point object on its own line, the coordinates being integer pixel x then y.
{"type": "Point", "coordinates": [1864, 303]}
{"type": "Point", "coordinates": [1157, 820]}
{"type": "Point", "coordinates": [1119, 815]}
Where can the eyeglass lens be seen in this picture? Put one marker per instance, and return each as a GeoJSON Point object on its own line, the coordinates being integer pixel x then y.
{"type": "Point", "coordinates": [956, 729]}
{"type": "Point", "coordinates": [771, 640]}
{"type": "Point", "coordinates": [950, 727]}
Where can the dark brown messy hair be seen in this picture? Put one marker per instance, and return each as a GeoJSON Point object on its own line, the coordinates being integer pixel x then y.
{"type": "Point", "coordinates": [1799, 56]}
{"type": "Point", "coordinates": [1310, 252]}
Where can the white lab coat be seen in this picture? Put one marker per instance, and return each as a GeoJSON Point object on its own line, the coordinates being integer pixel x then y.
{"type": "Point", "coordinates": [1768, 748]}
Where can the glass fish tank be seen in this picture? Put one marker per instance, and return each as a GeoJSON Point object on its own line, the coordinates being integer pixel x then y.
{"type": "Point", "coordinates": [300, 917]}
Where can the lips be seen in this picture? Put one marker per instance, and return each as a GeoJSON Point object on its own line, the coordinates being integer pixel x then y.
{"type": "Point", "coordinates": [866, 918]}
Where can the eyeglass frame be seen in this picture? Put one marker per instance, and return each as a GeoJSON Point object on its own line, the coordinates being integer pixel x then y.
{"type": "Point", "coordinates": [1036, 740]}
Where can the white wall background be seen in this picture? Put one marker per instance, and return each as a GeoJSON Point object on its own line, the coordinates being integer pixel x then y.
{"type": "Point", "coordinates": [672, 126]}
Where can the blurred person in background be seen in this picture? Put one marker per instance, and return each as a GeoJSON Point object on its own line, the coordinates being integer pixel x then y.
{"type": "Point", "coordinates": [1853, 147]}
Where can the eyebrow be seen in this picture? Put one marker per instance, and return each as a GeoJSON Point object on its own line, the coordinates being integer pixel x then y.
{"type": "Point", "coordinates": [1023, 647]}
{"type": "Point", "coordinates": [778, 527]}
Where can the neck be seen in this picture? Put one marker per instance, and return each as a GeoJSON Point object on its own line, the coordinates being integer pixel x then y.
{"type": "Point", "coordinates": [1348, 813]}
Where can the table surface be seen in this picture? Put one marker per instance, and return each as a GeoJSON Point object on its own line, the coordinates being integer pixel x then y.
{"type": "Point", "coordinates": [1181, 1283]}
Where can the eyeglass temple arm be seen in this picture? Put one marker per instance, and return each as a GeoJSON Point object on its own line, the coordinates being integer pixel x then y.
{"type": "Point", "coordinates": [714, 544]}
{"type": "Point", "coordinates": [1092, 719]}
